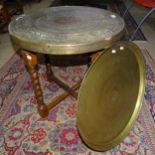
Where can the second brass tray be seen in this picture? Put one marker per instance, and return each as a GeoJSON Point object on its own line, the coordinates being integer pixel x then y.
{"type": "Point", "coordinates": [111, 96]}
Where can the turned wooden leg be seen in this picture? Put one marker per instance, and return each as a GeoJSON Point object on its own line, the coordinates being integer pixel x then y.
{"type": "Point", "coordinates": [48, 69]}
{"type": "Point", "coordinates": [49, 72]}
{"type": "Point", "coordinates": [30, 61]}
{"type": "Point", "coordinates": [94, 56]}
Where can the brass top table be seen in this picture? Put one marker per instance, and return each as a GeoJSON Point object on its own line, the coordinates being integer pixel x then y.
{"type": "Point", "coordinates": [65, 30]}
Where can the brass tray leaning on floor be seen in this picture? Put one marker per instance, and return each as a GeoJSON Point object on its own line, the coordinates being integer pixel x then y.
{"type": "Point", "coordinates": [110, 96]}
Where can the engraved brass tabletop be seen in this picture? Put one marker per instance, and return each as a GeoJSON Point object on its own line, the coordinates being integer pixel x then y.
{"type": "Point", "coordinates": [111, 95]}
{"type": "Point", "coordinates": [66, 30]}
{"type": "Point", "coordinates": [62, 31]}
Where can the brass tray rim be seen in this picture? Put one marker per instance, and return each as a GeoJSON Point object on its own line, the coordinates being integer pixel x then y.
{"type": "Point", "coordinates": [130, 123]}
{"type": "Point", "coordinates": [72, 49]}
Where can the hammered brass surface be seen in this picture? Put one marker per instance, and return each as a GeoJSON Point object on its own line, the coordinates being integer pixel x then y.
{"type": "Point", "coordinates": [110, 96]}
{"type": "Point", "coordinates": [66, 30]}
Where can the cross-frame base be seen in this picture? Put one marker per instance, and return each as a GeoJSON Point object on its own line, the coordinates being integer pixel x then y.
{"type": "Point", "coordinates": [31, 62]}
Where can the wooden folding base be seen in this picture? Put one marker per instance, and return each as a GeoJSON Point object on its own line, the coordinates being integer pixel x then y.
{"type": "Point", "coordinates": [31, 63]}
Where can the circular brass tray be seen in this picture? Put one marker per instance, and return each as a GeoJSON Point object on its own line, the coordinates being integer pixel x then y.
{"type": "Point", "coordinates": [66, 30]}
{"type": "Point", "coordinates": [110, 96]}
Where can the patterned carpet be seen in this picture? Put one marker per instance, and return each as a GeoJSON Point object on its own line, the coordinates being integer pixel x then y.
{"type": "Point", "coordinates": [23, 132]}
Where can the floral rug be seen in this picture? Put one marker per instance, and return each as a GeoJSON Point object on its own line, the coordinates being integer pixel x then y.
{"type": "Point", "coordinates": [23, 132]}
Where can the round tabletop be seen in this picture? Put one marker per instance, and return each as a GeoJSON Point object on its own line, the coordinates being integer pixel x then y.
{"type": "Point", "coordinates": [66, 30]}
{"type": "Point", "coordinates": [109, 100]}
